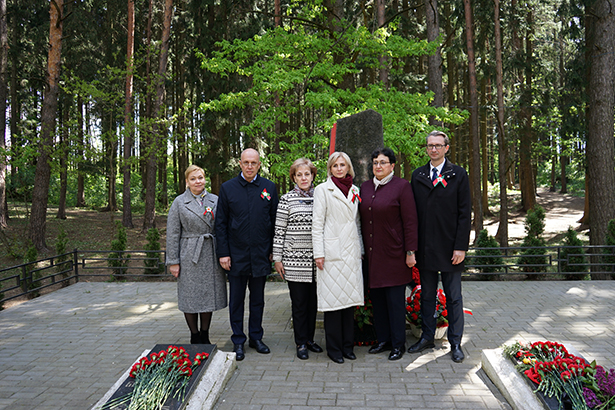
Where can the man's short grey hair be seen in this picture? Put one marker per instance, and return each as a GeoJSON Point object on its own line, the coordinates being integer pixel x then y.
{"type": "Point", "coordinates": [436, 133]}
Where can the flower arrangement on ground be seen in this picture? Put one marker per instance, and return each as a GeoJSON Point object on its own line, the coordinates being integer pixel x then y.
{"type": "Point", "coordinates": [413, 304]}
{"type": "Point", "coordinates": [157, 377]}
{"type": "Point", "coordinates": [365, 334]}
{"type": "Point", "coordinates": [564, 376]}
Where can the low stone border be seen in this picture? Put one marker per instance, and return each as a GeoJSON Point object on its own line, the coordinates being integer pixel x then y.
{"type": "Point", "coordinates": [509, 381]}
{"type": "Point", "coordinates": [209, 388]}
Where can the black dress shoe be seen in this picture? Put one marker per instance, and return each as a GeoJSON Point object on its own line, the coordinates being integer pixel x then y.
{"type": "Point", "coordinates": [302, 352]}
{"type": "Point", "coordinates": [339, 360]}
{"type": "Point", "coordinates": [397, 353]}
{"type": "Point", "coordinates": [259, 346]}
{"type": "Point", "coordinates": [195, 338]}
{"type": "Point", "coordinates": [421, 345]}
{"type": "Point", "coordinates": [380, 347]}
{"type": "Point", "coordinates": [204, 336]}
{"type": "Point", "coordinates": [314, 347]}
{"type": "Point", "coordinates": [350, 356]}
{"type": "Point", "coordinates": [457, 353]}
{"type": "Point", "coordinates": [238, 349]}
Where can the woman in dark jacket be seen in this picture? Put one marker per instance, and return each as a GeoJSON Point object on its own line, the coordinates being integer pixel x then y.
{"type": "Point", "coordinates": [389, 227]}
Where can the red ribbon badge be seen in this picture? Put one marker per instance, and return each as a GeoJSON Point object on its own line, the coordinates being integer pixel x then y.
{"type": "Point", "coordinates": [209, 210]}
{"type": "Point", "coordinates": [355, 196]}
{"type": "Point", "coordinates": [440, 180]}
{"type": "Point", "coordinates": [266, 194]}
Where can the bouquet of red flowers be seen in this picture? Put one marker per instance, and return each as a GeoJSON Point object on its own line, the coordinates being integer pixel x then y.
{"type": "Point", "coordinates": [413, 304]}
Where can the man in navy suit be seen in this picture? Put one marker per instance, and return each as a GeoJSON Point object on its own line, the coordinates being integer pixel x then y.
{"type": "Point", "coordinates": [244, 226]}
{"type": "Point", "coordinates": [443, 204]}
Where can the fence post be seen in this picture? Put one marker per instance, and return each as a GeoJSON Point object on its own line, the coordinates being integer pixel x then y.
{"type": "Point", "coordinates": [76, 265]}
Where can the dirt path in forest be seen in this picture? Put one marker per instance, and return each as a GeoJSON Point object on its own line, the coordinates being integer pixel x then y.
{"type": "Point", "coordinates": [562, 211]}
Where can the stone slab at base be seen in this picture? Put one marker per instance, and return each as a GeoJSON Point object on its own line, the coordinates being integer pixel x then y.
{"type": "Point", "coordinates": [509, 381]}
{"type": "Point", "coordinates": [206, 392]}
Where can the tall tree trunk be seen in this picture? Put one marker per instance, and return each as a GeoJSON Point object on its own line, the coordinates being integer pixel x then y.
{"type": "Point", "coordinates": [600, 141]}
{"type": "Point", "coordinates": [527, 177]}
{"type": "Point", "coordinates": [15, 86]}
{"type": "Point", "coordinates": [128, 124]}
{"type": "Point", "coordinates": [80, 150]}
{"type": "Point", "coordinates": [485, 148]}
{"type": "Point", "coordinates": [502, 233]}
{"type": "Point", "coordinates": [474, 137]}
{"type": "Point", "coordinates": [63, 152]}
{"type": "Point", "coordinates": [40, 192]}
{"type": "Point", "coordinates": [4, 49]}
{"type": "Point", "coordinates": [383, 72]}
{"type": "Point", "coordinates": [159, 136]}
{"type": "Point", "coordinates": [434, 61]}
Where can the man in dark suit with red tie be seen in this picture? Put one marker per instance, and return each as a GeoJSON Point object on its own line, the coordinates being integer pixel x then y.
{"type": "Point", "coordinates": [443, 204]}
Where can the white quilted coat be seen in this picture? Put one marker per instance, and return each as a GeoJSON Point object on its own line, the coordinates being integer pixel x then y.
{"type": "Point", "coordinates": [336, 237]}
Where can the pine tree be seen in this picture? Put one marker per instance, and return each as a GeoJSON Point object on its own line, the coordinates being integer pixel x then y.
{"type": "Point", "coordinates": [492, 258]}
{"type": "Point", "coordinates": [152, 261]}
{"type": "Point", "coordinates": [573, 259]}
{"type": "Point", "coordinates": [117, 259]}
{"type": "Point", "coordinates": [534, 259]}
{"type": "Point", "coordinates": [61, 243]}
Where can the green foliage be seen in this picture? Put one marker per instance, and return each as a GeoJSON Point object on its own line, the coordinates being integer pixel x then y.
{"type": "Point", "coordinates": [153, 264]}
{"type": "Point", "coordinates": [609, 253]}
{"type": "Point", "coordinates": [118, 260]}
{"type": "Point", "coordinates": [573, 254]}
{"type": "Point", "coordinates": [296, 75]}
{"type": "Point", "coordinates": [30, 280]}
{"type": "Point", "coordinates": [534, 228]}
{"type": "Point", "coordinates": [61, 244]}
{"type": "Point", "coordinates": [363, 315]}
{"type": "Point", "coordinates": [490, 256]}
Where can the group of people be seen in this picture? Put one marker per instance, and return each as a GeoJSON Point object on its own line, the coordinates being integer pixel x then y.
{"type": "Point", "coordinates": [317, 238]}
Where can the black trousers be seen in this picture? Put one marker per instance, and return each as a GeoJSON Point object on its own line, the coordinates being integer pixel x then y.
{"type": "Point", "coordinates": [303, 304]}
{"type": "Point", "coordinates": [339, 332]}
{"type": "Point", "coordinates": [451, 282]}
{"type": "Point", "coordinates": [390, 314]}
{"type": "Point", "coordinates": [237, 295]}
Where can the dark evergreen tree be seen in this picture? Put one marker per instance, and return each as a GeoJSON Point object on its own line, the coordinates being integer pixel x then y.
{"type": "Point", "coordinates": [533, 258]}
{"type": "Point", "coordinates": [491, 259]}
{"type": "Point", "coordinates": [572, 257]}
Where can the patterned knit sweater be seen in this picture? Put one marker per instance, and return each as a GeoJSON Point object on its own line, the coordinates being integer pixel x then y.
{"type": "Point", "coordinates": [292, 240]}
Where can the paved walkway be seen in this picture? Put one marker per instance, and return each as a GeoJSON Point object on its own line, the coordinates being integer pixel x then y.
{"type": "Point", "coordinates": [65, 349]}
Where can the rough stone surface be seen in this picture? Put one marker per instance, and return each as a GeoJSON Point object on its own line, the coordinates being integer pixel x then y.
{"type": "Point", "coordinates": [65, 349]}
{"type": "Point", "coordinates": [358, 135]}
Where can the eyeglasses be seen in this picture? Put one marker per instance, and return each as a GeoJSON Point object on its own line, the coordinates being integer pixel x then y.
{"type": "Point", "coordinates": [436, 146]}
{"type": "Point", "coordinates": [249, 164]}
{"type": "Point", "coordinates": [381, 163]}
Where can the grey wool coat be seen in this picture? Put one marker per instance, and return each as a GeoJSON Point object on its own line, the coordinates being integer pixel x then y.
{"type": "Point", "coordinates": [201, 286]}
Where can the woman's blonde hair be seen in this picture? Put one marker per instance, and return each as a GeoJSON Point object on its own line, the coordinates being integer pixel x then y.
{"type": "Point", "coordinates": [300, 163]}
{"type": "Point", "coordinates": [334, 157]}
{"type": "Point", "coordinates": [191, 169]}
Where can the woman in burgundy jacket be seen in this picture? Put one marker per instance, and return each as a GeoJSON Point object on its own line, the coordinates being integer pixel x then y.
{"type": "Point", "coordinates": [389, 226]}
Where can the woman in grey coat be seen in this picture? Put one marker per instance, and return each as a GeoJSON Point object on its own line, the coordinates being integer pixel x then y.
{"type": "Point", "coordinates": [201, 283]}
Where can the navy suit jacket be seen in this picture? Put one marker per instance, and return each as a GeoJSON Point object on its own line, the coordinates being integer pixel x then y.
{"type": "Point", "coordinates": [444, 215]}
{"type": "Point", "coordinates": [244, 225]}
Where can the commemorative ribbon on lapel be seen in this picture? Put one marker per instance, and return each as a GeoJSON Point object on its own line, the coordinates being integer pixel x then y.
{"type": "Point", "coordinates": [209, 211]}
{"type": "Point", "coordinates": [355, 196]}
{"type": "Point", "coordinates": [266, 194]}
{"type": "Point", "coordinates": [440, 180]}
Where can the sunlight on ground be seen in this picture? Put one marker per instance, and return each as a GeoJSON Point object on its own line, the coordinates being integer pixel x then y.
{"type": "Point", "coordinates": [152, 307]}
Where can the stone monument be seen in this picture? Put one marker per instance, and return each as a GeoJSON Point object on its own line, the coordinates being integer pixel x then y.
{"type": "Point", "coordinates": [358, 135]}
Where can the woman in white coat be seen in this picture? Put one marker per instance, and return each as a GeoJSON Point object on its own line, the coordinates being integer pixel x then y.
{"type": "Point", "coordinates": [337, 246]}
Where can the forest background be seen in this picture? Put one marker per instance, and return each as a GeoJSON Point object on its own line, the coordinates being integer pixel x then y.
{"type": "Point", "coordinates": [106, 102]}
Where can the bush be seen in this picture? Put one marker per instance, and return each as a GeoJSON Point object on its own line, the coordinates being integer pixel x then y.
{"type": "Point", "coordinates": [118, 260]}
{"type": "Point", "coordinates": [571, 263]}
{"type": "Point", "coordinates": [489, 257]}
{"type": "Point", "coordinates": [152, 262]}
{"type": "Point", "coordinates": [61, 244]}
{"type": "Point", "coordinates": [609, 253]}
{"type": "Point", "coordinates": [534, 228]}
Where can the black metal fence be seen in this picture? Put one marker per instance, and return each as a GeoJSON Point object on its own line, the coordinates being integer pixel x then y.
{"type": "Point", "coordinates": [29, 279]}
